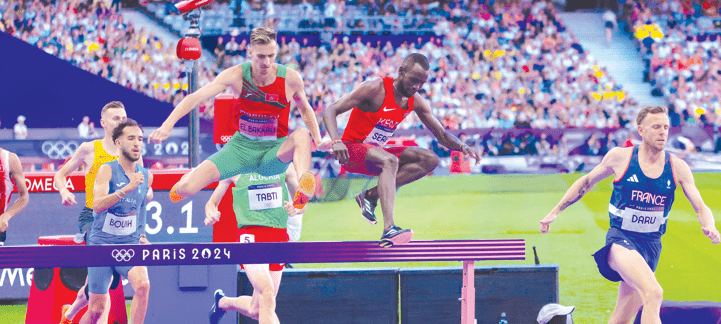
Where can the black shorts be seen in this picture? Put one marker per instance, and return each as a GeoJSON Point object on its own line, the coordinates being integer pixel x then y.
{"type": "Point", "coordinates": [650, 250]}
{"type": "Point", "coordinates": [85, 221]}
{"type": "Point", "coordinates": [609, 25]}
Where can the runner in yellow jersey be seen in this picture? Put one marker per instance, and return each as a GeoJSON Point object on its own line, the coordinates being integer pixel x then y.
{"type": "Point", "coordinates": [93, 154]}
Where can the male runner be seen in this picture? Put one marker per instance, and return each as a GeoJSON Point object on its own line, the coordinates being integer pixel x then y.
{"type": "Point", "coordinates": [261, 143]}
{"type": "Point", "coordinates": [379, 105]}
{"type": "Point", "coordinates": [120, 192]}
{"type": "Point", "coordinates": [93, 154]}
{"type": "Point", "coordinates": [295, 223]}
{"type": "Point", "coordinates": [646, 177]}
{"type": "Point", "coordinates": [262, 209]}
{"type": "Point", "coordinates": [11, 174]}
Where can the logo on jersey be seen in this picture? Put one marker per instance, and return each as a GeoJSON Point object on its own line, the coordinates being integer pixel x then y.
{"type": "Point", "coordinates": [668, 185]}
{"type": "Point", "coordinates": [649, 198]}
{"type": "Point", "coordinates": [248, 94]}
{"type": "Point", "coordinates": [387, 122]}
{"type": "Point", "coordinates": [272, 97]}
{"type": "Point", "coordinates": [633, 178]}
{"type": "Point", "coordinates": [386, 109]}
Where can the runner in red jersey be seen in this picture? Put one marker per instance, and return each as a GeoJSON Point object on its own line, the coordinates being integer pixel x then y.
{"type": "Point", "coordinates": [11, 175]}
{"type": "Point", "coordinates": [261, 144]}
{"type": "Point", "coordinates": [379, 105]}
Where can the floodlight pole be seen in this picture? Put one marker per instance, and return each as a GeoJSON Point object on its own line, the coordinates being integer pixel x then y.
{"type": "Point", "coordinates": [192, 67]}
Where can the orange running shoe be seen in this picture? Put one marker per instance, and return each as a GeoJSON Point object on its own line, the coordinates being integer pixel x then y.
{"type": "Point", "coordinates": [174, 196]}
{"type": "Point", "coordinates": [63, 319]}
{"type": "Point", "coordinates": [306, 188]}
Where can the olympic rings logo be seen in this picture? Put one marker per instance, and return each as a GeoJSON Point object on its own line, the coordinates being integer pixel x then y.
{"type": "Point", "coordinates": [123, 255]}
{"type": "Point", "coordinates": [226, 138]}
{"type": "Point", "coordinates": [59, 149]}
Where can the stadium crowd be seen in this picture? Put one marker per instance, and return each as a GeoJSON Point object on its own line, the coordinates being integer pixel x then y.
{"type": "Point", "coordinates": [680, 41]}
{"type": "Point", "coordinates": [513, 64]}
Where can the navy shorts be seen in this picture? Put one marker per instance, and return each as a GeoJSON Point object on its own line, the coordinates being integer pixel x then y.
{"type": "Point", "coordinates": [650, 250]}
{"type": "Point", "coordinates": [85, 223]}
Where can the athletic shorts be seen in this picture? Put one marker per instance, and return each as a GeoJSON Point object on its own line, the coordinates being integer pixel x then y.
{"type": "Point", "coordinates": [608, 25]}
{"type": "Point", "coordinates": [99, 278]}
{"type": "Point", "coordinates": [254, 233]}
{"type": "Point", "coordinates": [357, 157]}
{"type": "Point", "coordinates": [650, 250]}
{"type": "Point", "coordinates": [85, 221]}
{"type": "Point", "coordinates": [242, 155]}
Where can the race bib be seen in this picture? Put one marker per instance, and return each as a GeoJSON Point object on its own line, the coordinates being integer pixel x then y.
{"type": "Point", "coordinates": [265, 196]}
{"type": "Point", "coordinates": [120, 225]}
{"type": "Point", "coordinates": [258, 129]}
{"type": "Point", "coordinates": [246, 238]}
{"type": "Point", "coordinates": [641, 221]}
{"type": "Point", "coordinates": [379, 135]}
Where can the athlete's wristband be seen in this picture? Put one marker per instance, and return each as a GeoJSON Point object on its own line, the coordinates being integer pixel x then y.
{"type": "Point", "coordinates": [336, 142]}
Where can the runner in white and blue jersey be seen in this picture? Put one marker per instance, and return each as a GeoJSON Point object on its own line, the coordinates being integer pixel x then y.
{"type": "Point", "coordinates": [120, 192]}
{"type": "Point", "coordinates": [643, 191]}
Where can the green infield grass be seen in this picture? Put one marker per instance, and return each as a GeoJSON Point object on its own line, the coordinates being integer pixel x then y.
{"type": "Point", "coordinates": [510, 206]}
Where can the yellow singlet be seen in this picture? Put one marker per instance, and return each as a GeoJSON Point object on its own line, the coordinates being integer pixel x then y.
{"type": "Point", "coordinates": [100, 157]}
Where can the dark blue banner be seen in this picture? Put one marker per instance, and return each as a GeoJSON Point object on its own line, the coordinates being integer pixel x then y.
{"type": "Point", "coordinates": [53, 93]}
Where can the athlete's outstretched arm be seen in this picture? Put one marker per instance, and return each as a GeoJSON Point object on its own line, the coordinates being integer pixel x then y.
{"type": "Point", "coordinates": [212, 215]}
{"type": "Point", "coordinates": [297, 87]}
{"type": "Point", "coordinates": [705, 217]}
{"type": "Point", "coordinates": [583, 185]}
{"type": "Point", "coordinates": [61, 177]}
{"type": "Point", "coordinates": [360, 97]}
{"type": "Point", "coordinates": [220, 83]}
{"type": "Point", "coordinates": [423, 110]}
{"type": "Point", "coordinates": [16, 171]}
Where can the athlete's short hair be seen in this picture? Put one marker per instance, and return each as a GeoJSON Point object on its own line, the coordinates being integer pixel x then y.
{"type": "Point", "coordinates": [118, 131]}
{"type": "Point", "coordinates": [262, 36]}
{"type": "Point", "coordinates": [650, 110]}
{"type": "Point", "coordinates": [111, 105]}
{"type": "Point", "coordinates": [416, 58]}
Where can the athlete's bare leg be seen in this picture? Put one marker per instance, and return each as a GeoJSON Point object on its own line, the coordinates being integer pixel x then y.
{"type": "Point", "coordinates": [194, 181]}
{"type": "Point", "coordinates": [414, 163]}
{"type": "Point", "coordinates": [627, 305]}
{"type": "Point", "coordinates": [388, 164]}
{"type": "Point", "coordinates": [96, 307]}
{"type": "Point", "coordinates": [260, 306]}
{"type": "Point", "coordinates": [81, 301]}
{"type": "Point", "coordinates": [138, 277]}
{"type": "Point", "coordinates": [638, 275]}
{"type": "Point", "coordinates": [296, 148]}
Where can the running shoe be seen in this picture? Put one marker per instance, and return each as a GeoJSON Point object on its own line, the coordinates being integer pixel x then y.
{"type": "Point", "coordinates": [306, 188]}
{"type": "Point", "coordinates": [367, 207]}
{"type": "Point", "coordinates": [395, 236]}
{"type": "Point", "coordinates": [174, 196]}
{"type": "Point", "coordinates": [215, 312]}
{"type": "Point", "coordinates": [63, 319]}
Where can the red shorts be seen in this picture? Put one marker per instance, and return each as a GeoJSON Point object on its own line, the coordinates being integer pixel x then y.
{"type": "Point", "coordinates": [253, 233]}
{"type": "Point", "coordinates": [357, 157]}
